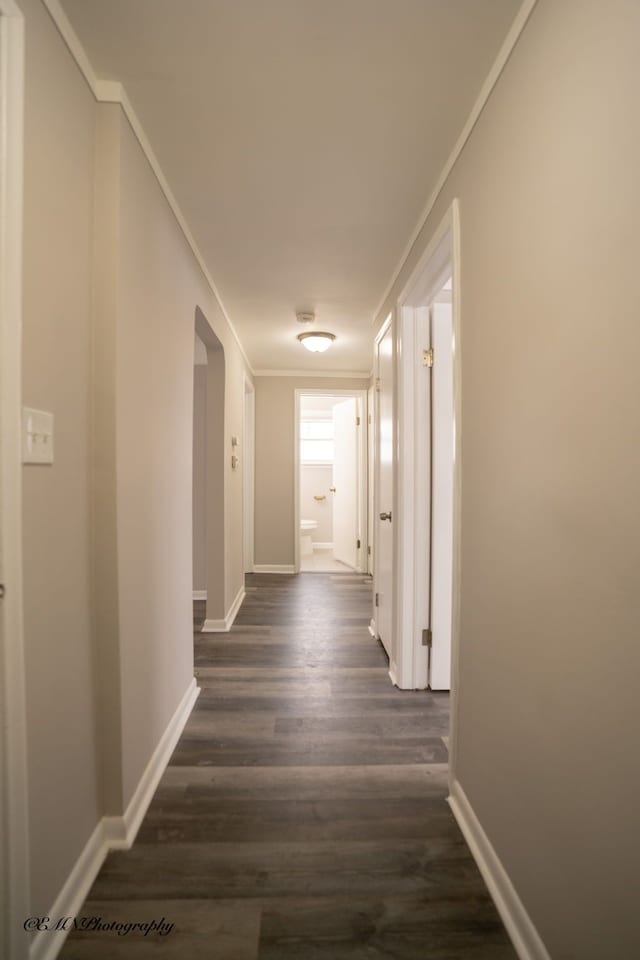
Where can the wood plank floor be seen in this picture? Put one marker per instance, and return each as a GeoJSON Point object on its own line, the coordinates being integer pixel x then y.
{"type": "Point", "coordinates": [303, 813]}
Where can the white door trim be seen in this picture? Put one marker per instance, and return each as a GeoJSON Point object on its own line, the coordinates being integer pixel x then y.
{"type": "Point", "coordinates": [14, 827]}
{"type": "Point", "coordinates": [411, 613]}
{"type": "Point", "coordinates": [361, 396]}
{"type": "Point", "coordinates": [248, 473]}
{"type": "Point", "coordinates": [440, 259]}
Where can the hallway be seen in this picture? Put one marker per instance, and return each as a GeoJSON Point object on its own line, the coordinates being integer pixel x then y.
{"type": "Point", "coordinates": [303, 813]}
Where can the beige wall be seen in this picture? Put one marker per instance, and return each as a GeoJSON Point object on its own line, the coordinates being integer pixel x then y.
{"type": "Point", "coordinates": [200, 476]}
{"type": "Point", "coordinates": [160, 287]}
{"type": "Point", "coordinates": [275, 469]}
{"type": "Point", "coordinates": [110, 296]}
{"type": "Point", "coordinates": [549, 657]}
{"type": "Point", "coordinates": [158, 293]}
{"type": "Point", "coordinates": [59, 132]}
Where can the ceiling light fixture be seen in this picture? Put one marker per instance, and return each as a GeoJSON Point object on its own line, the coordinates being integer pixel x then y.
{"type": "Point", "coordinates": [305, 317]}
{"type": "Point", "coordinates": [315, 341]}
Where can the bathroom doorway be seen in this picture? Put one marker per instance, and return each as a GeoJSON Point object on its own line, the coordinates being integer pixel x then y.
{"type": "Point", "coordinates": [331, 481]}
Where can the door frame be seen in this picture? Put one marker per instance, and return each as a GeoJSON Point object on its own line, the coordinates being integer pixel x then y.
{"type": "Point", "coordinates": [14, 825]}
{"type": "Point", "coordinates": [440, 259]}
{"type": "Point", "coordinates": [361, 396]}
{"type": "Point", "coordinates": [248, 473]}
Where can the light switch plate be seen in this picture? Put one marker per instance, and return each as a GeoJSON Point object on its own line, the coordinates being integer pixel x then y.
{"type": "Point", "coordinates": [37, 436]}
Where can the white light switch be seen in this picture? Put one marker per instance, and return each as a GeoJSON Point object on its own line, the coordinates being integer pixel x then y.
{"type": "Point", "coordinates": [37, 436]}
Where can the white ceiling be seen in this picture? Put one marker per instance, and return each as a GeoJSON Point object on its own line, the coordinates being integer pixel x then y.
{"type": "Point", "coordinates": [301, 139]}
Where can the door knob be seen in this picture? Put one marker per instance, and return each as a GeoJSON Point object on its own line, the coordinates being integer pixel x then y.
{"type": "Point", "coordinates": [385, 516]}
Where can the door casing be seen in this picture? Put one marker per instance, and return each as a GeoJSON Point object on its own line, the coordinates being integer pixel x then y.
{"type": "Point", "coordinates": [440, 260]}
{"type": "Point", "coordinates": [361, 396]}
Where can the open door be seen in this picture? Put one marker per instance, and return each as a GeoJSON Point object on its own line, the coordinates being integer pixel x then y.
{"type": "Point", "coordinates": [346, 512]}
{"type": "Point", "coordinates": [384, 533]}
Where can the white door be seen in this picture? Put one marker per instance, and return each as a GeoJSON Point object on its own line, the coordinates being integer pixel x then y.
{"type": "Point", "coordinates": [383, 521]}
{"type": "Point", "coordinates": [345, 483]}
{"type": "Point", "coordinates": [442, 497]}
{"type": "Point", "coordinates": [370, 480]}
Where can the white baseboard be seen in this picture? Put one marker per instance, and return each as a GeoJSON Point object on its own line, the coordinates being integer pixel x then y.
{"type": "Point", "coordinates": [274, 568]}
{"type": "Point", "coordinates": [322, 546]}
{"type": "Point", "coordinates": [199, 594]}
{"type": "Point", "coordinates": [137, 806]}
{"type": "Point", "coordinates": [111, 833]}
{"type": "Point", "coordinates": [223, 626]}
{"type": "Point", "coordinates": [524, 936]}
{"type": "Point", "coordinates": [47, 943]}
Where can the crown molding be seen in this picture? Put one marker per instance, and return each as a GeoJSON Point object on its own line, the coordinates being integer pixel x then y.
{"type": "Point", "coordinates": [492, 78]}
{"type": "Point", "coordinates": [112, 91]}
{"type": "Point", "coordinates": [315, 374]}
{"type": "Point", "coordinates": [70, 37]}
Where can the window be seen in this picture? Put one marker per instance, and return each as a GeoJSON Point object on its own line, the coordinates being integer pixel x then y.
{"type": "Point", "coordinates": [316, 441]}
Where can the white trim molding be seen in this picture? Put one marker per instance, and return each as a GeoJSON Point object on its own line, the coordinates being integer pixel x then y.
{"type": "Point", "coordinates": [287, 568]}
{"type": "Point", "coordinates": [492, 78]}
{"type": "Point", "coordinates": [519, 925]}
{"type": "Point", "coordinates": [47, 943]}
{"type": "Point", "coordinates": [110, 91]}
{"type": "Point", "coordinates": [199, 594]}
{"type": "Point", "coordinates": [414, 468]}
{"type": "Point", "coordinates": [137, 806]}
{"type": "Point", "coordinates": [112, 833]}
{"type": "Point", "coordinates": [316, 374]}
{"type": "Point", "coordinates": [321, 546]}
{"type": "Point", "coordinates": [223, 626]}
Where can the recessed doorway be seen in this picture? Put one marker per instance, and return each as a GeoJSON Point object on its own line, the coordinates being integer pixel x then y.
{"type": "Point", "coordinates": [331, 482]}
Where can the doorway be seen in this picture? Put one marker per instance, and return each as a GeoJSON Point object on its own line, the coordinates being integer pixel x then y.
{"type": "Point", "coordinates": [331, 481]}
{"type": "Point", "coordinates": [200, 475]}
{"type": "Point", "coordinates": [428, 474]}
{"type": "Point", "coordinates": [209, 497]}
{"type": "Point", "coordinates": [248, 474]}
{"type": "Point", "coordinates": [382, 619]}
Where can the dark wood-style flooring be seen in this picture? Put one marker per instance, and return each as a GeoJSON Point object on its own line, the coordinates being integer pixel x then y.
{"type": "Point", "coordinates": [303, 815]}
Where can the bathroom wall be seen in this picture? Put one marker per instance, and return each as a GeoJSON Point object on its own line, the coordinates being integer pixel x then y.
{"type": "Point", "coordinates": [316, 480]}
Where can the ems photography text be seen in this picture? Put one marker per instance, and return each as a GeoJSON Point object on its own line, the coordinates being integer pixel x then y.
{"type": "Point", "coordinates": [121, 928]}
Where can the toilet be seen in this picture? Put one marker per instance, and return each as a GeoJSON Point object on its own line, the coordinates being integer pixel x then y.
{"type": "Point", "coordinates": [306, 529]}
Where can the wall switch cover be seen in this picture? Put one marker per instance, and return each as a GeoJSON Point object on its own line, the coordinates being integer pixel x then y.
{"type": "Point", "coordinates": [37, 436]}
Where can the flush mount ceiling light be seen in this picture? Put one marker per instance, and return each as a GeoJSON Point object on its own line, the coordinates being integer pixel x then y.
{"type": "Point", "coordinates": [315, 341]}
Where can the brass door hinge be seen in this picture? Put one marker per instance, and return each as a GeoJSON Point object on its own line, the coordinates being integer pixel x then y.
{"type": "Point", "coordinates": [427, 638]}
{"type": "Point", "coordinates": [358, 544]}
{"type": "Point", "coordinates": [378, 385]}
{"type": "Point", "coordinates": [427, 357]}
{"type": "Point", "coordinates": [369, 550]}
{"type": "Point", "coordinates": [357, 421]}
{"type": "Point", "coordinates": [377, 599]}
